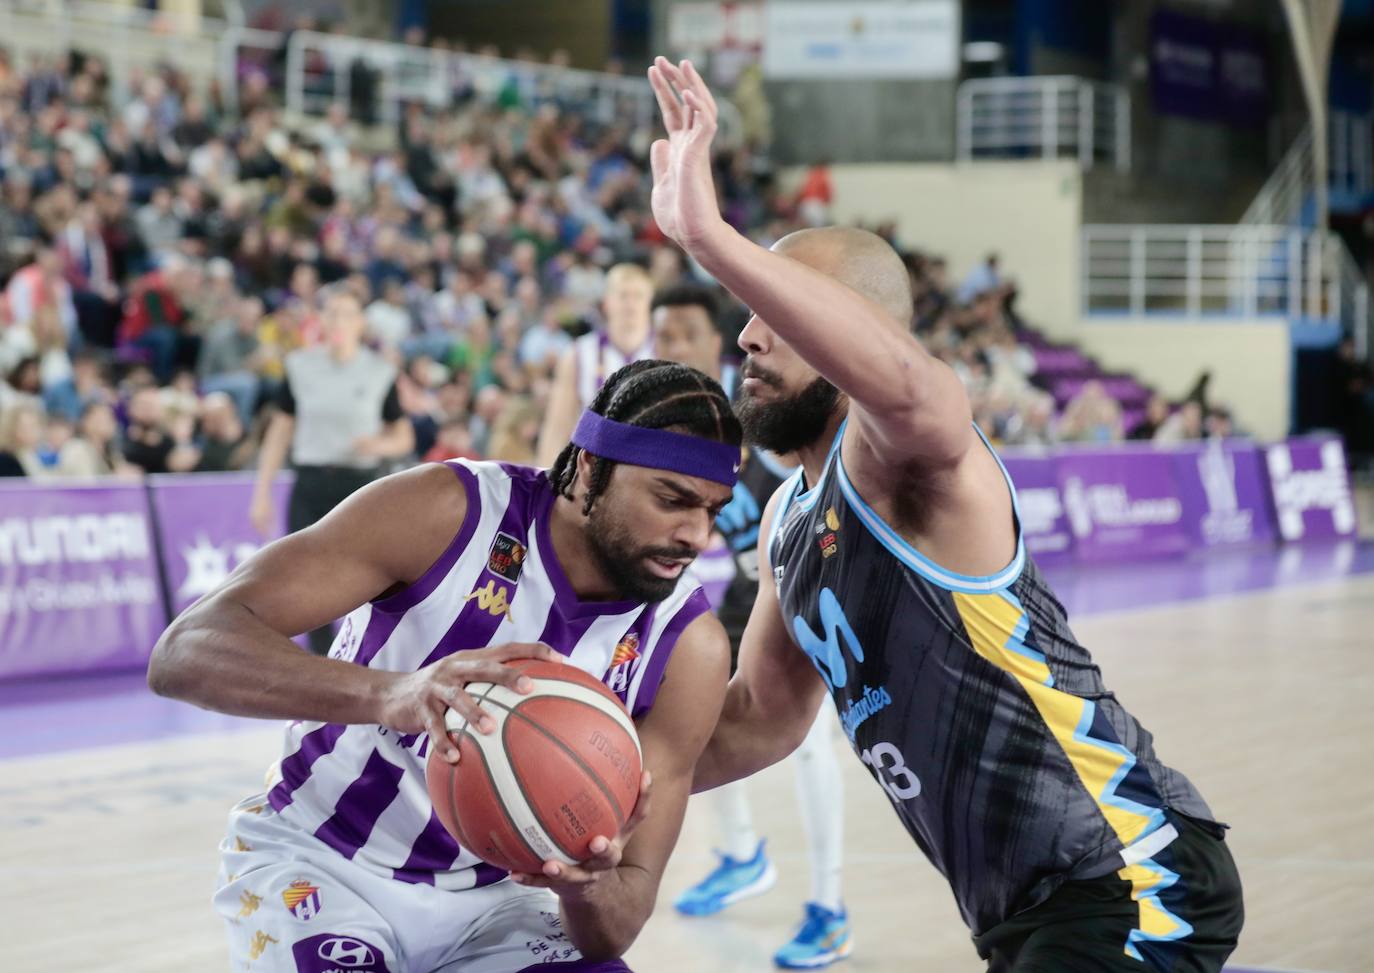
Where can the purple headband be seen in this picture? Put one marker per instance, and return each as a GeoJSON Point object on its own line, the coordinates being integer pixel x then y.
{"type": "Point", "coordinates": [657, 449]}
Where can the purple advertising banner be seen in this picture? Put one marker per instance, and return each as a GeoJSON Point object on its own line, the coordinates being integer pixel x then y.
{"type": "Point", "coordinates": [204, 530]}
{"type": "Point", "coordinates": [1044, 522]}
{"type": "Point", "coordinates": [1311, 489]}
{"type": "Point", "coordinates": [1122, 503]}
{"type": "Point", "coordinates": [1222, 486]}
{"type": "Point", "coordinates": [1208, 69]}
{"type": "Point", "coordinates": [78, 579]}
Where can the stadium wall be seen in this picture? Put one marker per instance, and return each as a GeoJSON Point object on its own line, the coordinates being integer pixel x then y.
{"type": "Point", "coordinates": [1029, 214]}
{"type": "Point", "coordinates": [1250, 361]}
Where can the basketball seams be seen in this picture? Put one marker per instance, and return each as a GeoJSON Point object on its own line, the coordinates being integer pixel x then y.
{"type": "Point", "coordinates": [586, 768]}
{"type": "Point", "coordinates": [591, 695]}
{"type": "Point", "coordinates": [501, 805]}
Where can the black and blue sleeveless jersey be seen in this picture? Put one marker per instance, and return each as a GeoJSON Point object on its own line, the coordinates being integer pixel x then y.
{"type": "Point", "coordinates": [973, 705]}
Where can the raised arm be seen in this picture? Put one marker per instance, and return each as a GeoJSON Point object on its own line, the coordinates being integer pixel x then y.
{"type": "Point", "coordinates": [562, 412]}
{"type": "Point", "coordinates": [772, 700]}
{"type": "Point", "coordinates": [232, 650]}
{"type": "Point", "coordinates": [607, 900]}
{"type": "Point", "coordinates": [907, 405]}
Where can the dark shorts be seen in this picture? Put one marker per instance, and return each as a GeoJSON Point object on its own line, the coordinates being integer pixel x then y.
{"type": "Point", "coordinates": [1178, 911]}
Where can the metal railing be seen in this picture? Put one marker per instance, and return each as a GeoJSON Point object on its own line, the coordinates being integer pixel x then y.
{"type": "Point", "coordinates": [1351, 155]}
{"type": "Point", "coordinates": [1243, 271]}
{"type": "Point", "coordinates": [1044, 118]}
{"type": "Point", "coordinates": [129, 37]}
{"type": "Point", "coordinates": [319, 72]}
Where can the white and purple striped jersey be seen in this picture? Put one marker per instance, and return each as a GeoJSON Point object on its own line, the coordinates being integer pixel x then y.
{"type": "Point", "coordinates": [597, 358]}
{"type": "Point", "coordinates": [361, 788]}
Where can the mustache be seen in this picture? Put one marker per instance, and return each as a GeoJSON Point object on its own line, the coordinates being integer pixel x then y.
{"type": "Point", "coordinates": [752, 369]}
{"type": "Point", "coordinates": [669, 553]}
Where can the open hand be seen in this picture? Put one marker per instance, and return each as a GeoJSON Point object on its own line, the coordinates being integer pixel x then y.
{"type": "Point", "coordinates": [684, 194]}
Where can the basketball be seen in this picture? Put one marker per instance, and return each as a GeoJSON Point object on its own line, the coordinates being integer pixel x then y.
{"type": "Point", "coordinates": [562, 767]}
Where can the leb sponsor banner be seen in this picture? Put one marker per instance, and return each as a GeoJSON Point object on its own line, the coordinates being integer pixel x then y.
{"type": "Point", "coordinates": [918, 39]}
{"type": "Point", "coordinates": [78, 579]}
{"type": "Point", "coordinates": [1122, 503]}
{"type": "Point", "coordinates": [1224, 493]}
{"type": "Point", "coordinates": [1044, 521]}
{"type": "Point", "coordinates": [204, 530]}
{"type": "Point", "coordinates": [1311, 489]}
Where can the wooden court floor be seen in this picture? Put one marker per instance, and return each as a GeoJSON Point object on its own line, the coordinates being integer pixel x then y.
{"type": "Point", "coordinates": [107, 855]}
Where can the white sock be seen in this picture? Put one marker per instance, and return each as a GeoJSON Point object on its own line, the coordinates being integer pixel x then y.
{"type": "Point", "coordinates": [820, 794]}
{"type": "Point", "coordinates": [734, 821]}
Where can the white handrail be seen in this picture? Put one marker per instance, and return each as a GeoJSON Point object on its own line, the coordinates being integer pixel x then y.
{"type": "Point", "coordinates": [413, 73]}
{"type": "Point", "coordinates": [1243, 271]}
{"type": "Point", "coordinates": [1043, 117]}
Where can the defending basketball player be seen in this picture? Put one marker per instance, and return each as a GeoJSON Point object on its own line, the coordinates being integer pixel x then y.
{"type": "Point", "coordinates": [446, 572]}
{"type": "Point", "coordinates": [895, 562]}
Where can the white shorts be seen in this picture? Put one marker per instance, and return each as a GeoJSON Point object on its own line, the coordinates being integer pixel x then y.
{"type": "Point", "coordinates": [293, 904]}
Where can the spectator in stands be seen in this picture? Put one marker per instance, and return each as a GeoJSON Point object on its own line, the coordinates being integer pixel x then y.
{"type": "Point", "coordinates": [981, 280]}
{"type": "Point", "coordinates": [155, 442]}
{"type": "Point", "coordinates": [229, 357]}
{"type": "Point", "coordinates": [1183, 426]}
{"type": "Point", "coordinates": [224, 443]}
{"type": "Point", "coordinates": [156, 321]}
{"type": "Point", "coordinates": [388, 317]}
{"type": "Point", "coordinates": [21, 434]}
{"type": "Point", "coordinates": [1092, 416]}
{"type": "Point", "coordinates": [1156, 414]}
{"type": "Point", "coordinates": [93, 449]}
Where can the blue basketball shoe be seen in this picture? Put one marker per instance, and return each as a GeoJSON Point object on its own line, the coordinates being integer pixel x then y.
{"type": "Point", "coordinates": [823, 939]}
{"type": "Point", "coordinates": [732, 880]}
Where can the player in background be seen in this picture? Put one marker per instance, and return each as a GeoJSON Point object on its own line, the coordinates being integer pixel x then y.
{"type": "Point", "coordinates": [686, 330]}
{"type": "Point", "coordinates": [593, 357]}
{"type": "Point", "coordinates": [445, 572]}
{"type": "Point", "coordinates": [896, 581]}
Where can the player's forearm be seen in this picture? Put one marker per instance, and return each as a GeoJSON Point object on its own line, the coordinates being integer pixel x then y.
{"type": "Point", "coordinates": [220, 656]}
{"type": "Point", "coordinates": [849, 339]}
{"type": "Point", "coordinates": [604, 921]}
{"type": "Point", "coordinates": [745, 741]}
{"type": "Point", "coordinates": [275, 445]}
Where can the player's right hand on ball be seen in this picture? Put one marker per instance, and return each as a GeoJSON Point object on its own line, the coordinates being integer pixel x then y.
{"type": "Point", "coordinates": [416, 702]}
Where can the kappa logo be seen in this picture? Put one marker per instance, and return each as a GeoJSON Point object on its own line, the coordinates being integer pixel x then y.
{"type": "Point", "coordinates": [492, 599]}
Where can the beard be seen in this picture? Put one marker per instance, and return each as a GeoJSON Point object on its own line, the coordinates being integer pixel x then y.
{"type": "Point", "coordinates": [621, 558]}
{"type": "Point", "coordinates": [785, 424]}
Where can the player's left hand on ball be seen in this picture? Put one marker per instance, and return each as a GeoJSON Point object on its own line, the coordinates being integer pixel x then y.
{"type": "Point", "coordinates": [574, 880]}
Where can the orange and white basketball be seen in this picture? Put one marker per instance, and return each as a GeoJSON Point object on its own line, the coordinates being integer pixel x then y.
{"type": "Point", "coordinates": [562, 767]}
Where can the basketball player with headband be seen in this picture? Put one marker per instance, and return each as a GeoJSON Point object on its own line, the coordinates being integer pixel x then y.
{"type": "Point", "coordinates": [895, 580]}
{"type": "Point", "coordinates": [444, 573]}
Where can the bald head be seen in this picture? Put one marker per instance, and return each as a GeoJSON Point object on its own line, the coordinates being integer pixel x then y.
{"type": "Point", "coordinates": [860, 260]}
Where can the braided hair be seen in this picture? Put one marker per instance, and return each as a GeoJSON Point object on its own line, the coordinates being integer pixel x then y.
{"type": "Point", "coordinates": [651, 394]}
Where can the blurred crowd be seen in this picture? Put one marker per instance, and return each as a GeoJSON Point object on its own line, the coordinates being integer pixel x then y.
{"type": "Point", "coordinates": [161, 254]}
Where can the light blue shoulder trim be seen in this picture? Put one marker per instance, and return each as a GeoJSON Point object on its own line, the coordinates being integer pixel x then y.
{"type": "Point", "coordinates": [807, 498]}
{"type": "Point", "coordinates": [918, 562]}
{"type": "Point", "coordinates": [788, 492]}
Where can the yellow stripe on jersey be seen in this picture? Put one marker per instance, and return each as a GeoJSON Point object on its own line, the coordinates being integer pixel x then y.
{"type": "Point", "coordinates": [996, 625]}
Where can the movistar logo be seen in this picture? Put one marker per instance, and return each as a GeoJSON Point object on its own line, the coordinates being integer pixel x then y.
{"type": "Point", "coordinates": [825, 652]}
